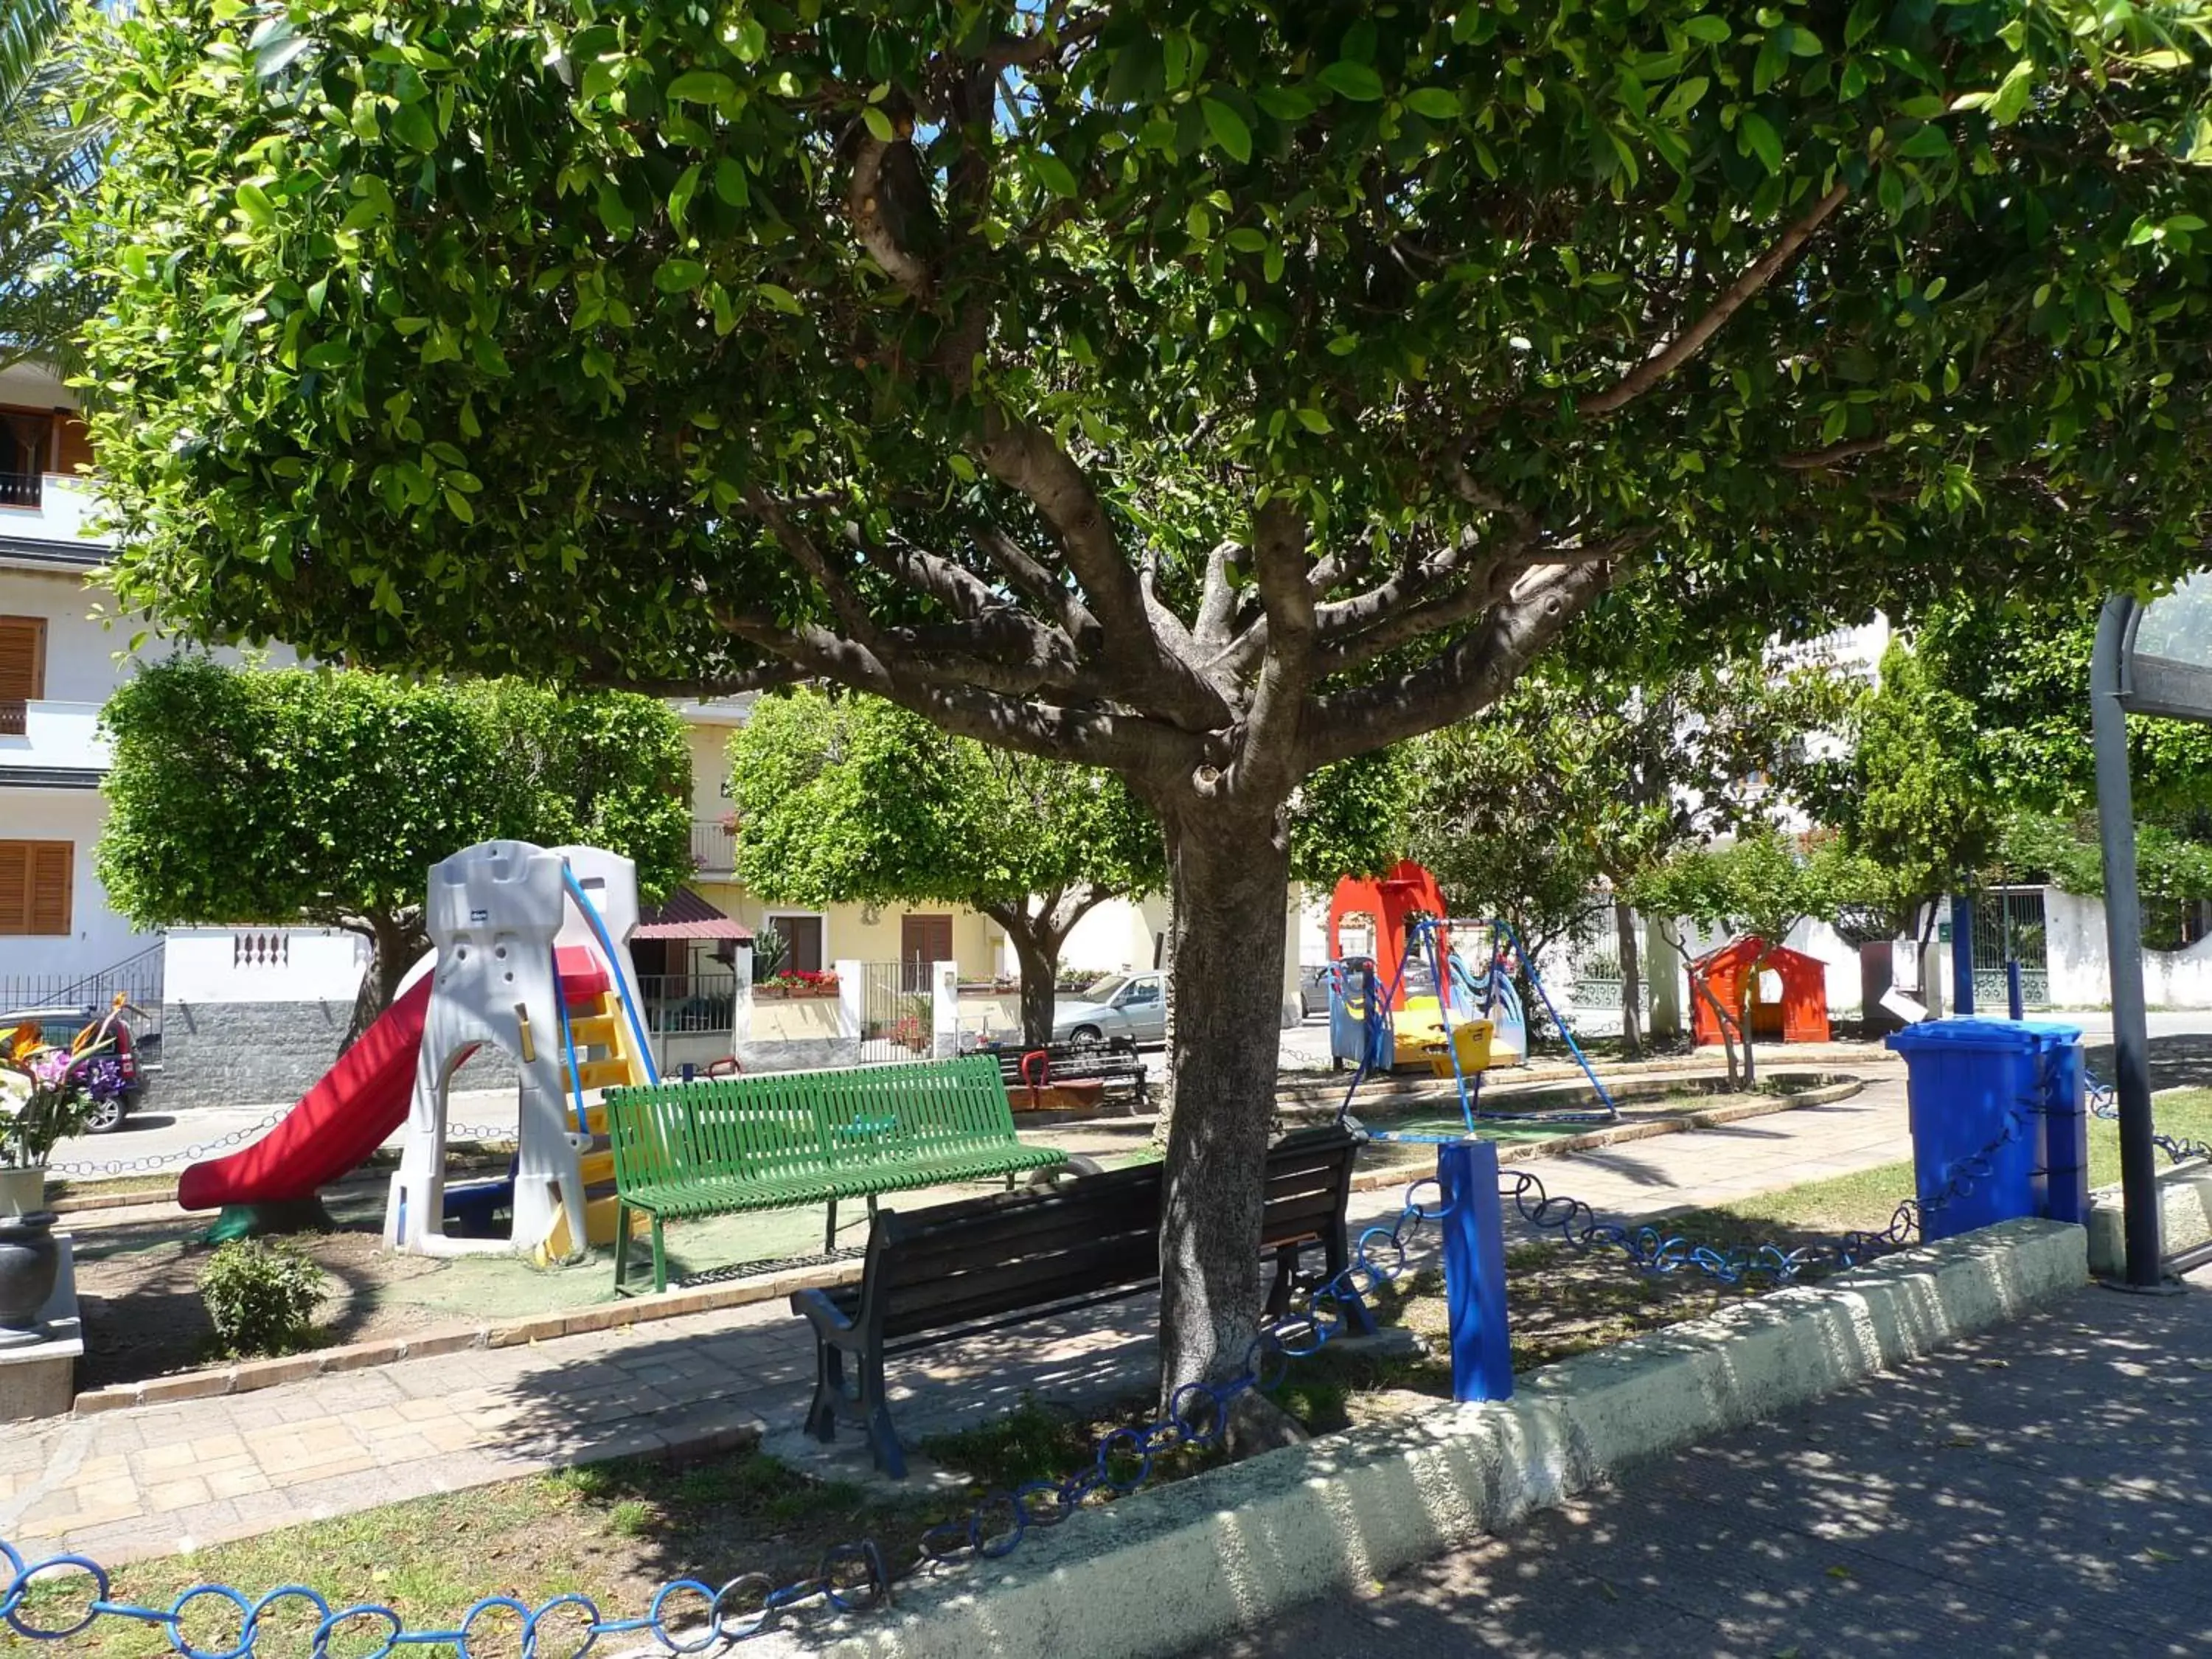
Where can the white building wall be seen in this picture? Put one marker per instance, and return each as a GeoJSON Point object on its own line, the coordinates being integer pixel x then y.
{"type": "Point", "coordinates": [263, 964]}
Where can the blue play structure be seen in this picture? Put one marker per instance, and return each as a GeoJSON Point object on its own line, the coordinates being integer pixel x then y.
{"type": "Point", "coordinates": [1432, 972]}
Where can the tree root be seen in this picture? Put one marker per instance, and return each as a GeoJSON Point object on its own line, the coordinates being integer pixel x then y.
{"type": "Point", "coordinates": [1257, 1424]}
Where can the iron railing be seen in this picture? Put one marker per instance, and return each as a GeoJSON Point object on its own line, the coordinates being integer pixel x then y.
{"type": "Point", "coordinates": [136, 979]}
{"type": "Point", "coordinates": [15, 717]}
{"type": "Point", "coordinates": [22, 489]}
{"type": "Point", "coordinates": [689, 1005]}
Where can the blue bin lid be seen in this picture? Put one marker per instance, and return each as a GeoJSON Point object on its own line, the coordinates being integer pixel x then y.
{"type": "Point", "coordinates": [1972, 1033]}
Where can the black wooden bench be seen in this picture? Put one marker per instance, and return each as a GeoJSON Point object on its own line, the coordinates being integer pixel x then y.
{"type": "Point", "coordinates": [1114, 1065]}
{"type": "Point", "coordinates": [954, 1270]}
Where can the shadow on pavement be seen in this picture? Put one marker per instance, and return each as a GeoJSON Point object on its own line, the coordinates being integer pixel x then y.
{"type": "Point", "coordinates": [2044, 1490]}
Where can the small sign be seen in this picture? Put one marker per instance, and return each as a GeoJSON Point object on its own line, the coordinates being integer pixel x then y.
{"type": "Point", "coordinates": [1942, 932]}
{"type": "Point", "coordinates": [1905, 1007]}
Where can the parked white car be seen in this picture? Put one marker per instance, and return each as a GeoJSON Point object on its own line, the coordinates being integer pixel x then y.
{"type": "Point", "coordinates": [1131, 1006]}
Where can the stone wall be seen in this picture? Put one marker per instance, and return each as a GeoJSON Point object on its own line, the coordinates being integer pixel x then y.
{"type": "Point", "coordinates": [268, 1054]}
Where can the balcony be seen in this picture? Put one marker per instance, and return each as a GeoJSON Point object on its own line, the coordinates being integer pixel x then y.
{"type": "Point", "coordinates": [51, 506]}
{"type": "Point", "coordinates": [47, 734]}
{"type": "Point", "coordinates": [713, 849]}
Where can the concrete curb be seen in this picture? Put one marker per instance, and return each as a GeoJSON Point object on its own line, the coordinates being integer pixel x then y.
{"type": "Point", "coordinates": [2184, 1209]}
{"type": "Point", "coordinates": [250, 1374]}
{"type": "Point", "coordinates": [1169, 1570]}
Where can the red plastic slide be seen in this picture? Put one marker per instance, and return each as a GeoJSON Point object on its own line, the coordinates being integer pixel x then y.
{"type": "Point", "coordinates": [336, 1124]}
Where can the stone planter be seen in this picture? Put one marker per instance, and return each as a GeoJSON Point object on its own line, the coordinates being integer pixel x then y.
{"type": "Point", "coordinates": [29, 1263]}
{"type": "Point", "coordinates": [22, 1192]}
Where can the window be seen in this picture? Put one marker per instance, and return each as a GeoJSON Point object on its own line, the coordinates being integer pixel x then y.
{"type": "Point", "coordinates": [36, 877]}
{"type": "Point", "coordinates": [1141, 993]}
{"type": "Point", "coordinates": [26, 444]}
{"type": "Point", "coordinates": [804, 935]}
{"type": "Point", "coordinates": [22, 669]}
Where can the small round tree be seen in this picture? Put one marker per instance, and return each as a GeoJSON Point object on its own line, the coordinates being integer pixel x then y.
{"type": "Point", "coordinates": [324, 797]}
{"type": "Point", "coordinates": [856, 801]}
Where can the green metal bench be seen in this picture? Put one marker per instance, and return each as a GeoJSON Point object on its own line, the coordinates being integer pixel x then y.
{"type": "Point", "coordinates": [780, 1140]}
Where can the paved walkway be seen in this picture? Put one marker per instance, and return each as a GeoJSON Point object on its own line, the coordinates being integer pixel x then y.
{"type": "Point", "coordinates": [2045, 1489]}
{"type": "Point", "coordinates": [144, 1482]}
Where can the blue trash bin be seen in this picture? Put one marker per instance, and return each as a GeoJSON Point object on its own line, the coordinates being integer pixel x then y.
{"type": "Point", "coordinates": [1963, 1079]}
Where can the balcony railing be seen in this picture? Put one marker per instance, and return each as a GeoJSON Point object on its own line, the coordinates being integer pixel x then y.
{"type": "Point", "coordinates": [15, 717]}
{"type": "Point", "coordinates": [713, 847]}
{"type": "Point", "coordinates": [22, 488]}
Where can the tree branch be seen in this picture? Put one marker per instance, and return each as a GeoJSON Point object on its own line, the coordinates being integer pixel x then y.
{"type": "Point", "coordinates": [1463, 680]}
{"type": "Point", "coordinates": [1089, 735]}
{"type": "Point", "coordinates": [1692, 340]}
{"type": "Point", "coordinates": [1025, 458]}
{"type": "Point", "coordinates": [1267, 758]}
{"type": "Point", "coordinates": [1820, 460]}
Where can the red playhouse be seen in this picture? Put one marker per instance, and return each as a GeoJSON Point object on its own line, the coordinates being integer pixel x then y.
{"type": "Point", "coordinates": [1382, 904]}
{"type": "Point", "coordinates": [1799, 1015]}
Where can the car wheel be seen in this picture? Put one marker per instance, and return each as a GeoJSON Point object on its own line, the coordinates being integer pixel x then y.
{"type": "Point", "coordinates": [1086, 1036]}
{"type": "Point", "coordinates": [106, 1118]}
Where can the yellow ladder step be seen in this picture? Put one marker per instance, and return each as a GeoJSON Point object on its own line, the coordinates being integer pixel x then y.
{"type": "Point", "coordinates": [602, 1073]}
{"type": "Point", "coordinates": [599, 1167]}
{"type": "Point", "coordinates": [595, 1032]}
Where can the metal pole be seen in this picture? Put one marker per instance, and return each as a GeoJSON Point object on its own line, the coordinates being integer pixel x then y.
{"type": "Point", "coordinates": [1474, 1270]}
{"type": "Point", "coordinates": [2116, 829]}
{"type": "Point", "coordinates": [1962, 954]}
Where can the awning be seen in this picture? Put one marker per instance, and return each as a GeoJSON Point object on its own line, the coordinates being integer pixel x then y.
{"type": "Point", "coordinates": [686, 915]}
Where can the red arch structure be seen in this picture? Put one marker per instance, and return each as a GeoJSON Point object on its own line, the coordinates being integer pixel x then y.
{"type": "Point", "coordinates": [1404, 890]}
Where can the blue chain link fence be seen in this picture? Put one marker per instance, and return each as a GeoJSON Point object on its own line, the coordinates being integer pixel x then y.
{"type": "Point", "coordinates": [2104, 1103]}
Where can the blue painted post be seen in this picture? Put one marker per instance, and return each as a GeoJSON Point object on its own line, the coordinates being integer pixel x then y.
{"type": "Point", "coordinates": [1474, 1270]}
{"type": "Point", "coordinates": [2015, 1003]}
{"type": "Point", "coordinates": [1962, 956]}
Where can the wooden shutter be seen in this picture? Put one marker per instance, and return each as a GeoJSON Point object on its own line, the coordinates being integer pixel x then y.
{"type": "Point", "coordinates": [22, 659]}
{"type": "Point", "coordinates": [72, 444]}
{"type": "Point", "coordinates": [37, 879]}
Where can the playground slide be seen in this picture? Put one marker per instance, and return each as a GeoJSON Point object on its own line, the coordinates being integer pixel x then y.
{"type": "Point", "coordinates": [336, 1124]}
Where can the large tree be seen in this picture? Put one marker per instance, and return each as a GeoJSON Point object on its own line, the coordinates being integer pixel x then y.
{"type": "Point", "coordinates": [1205, 390]}
{"type": "Point", "coordinates": [857, 800]}
{"type": "Point", "coordinates": [324, 797]}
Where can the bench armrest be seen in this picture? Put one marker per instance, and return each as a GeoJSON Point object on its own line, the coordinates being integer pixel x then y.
{"type": "Point", "coordinates": [830, 1324]}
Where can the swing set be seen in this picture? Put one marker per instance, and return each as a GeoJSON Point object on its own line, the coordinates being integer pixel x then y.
{"type": "Point", "coordinates": [1462, 1022]}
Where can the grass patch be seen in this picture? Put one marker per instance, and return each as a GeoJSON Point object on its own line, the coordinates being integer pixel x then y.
{"type": "Point", "coordinates": [612, 1531]}
{"type": "Point", "coordinates": [1870, 1198]}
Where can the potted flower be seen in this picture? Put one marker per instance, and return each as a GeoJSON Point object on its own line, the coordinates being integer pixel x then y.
{"type": "Point", "coordinates": [46, 1095]}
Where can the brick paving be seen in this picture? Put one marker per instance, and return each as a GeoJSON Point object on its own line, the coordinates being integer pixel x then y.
{"type": "Point", "coordinates": [155, 1479]}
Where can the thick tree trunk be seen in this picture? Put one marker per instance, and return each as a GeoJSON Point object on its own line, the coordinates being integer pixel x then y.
{"type": "Point", "coordinates": [1631, 978]}
{"type": "Point", "coordinates": [395, 942]}
{"type": "Point", "coordinates": [1037, 950]}
{"type": "Point", "coordinates": [1229, 878]}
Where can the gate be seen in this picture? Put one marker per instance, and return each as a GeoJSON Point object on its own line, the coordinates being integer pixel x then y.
{"type": "Point", "coordinates": [2008, 925]}
{"type": "Point", "coordinates": [895, 1021]}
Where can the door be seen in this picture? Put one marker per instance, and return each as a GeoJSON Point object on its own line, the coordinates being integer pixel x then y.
{"type": "Point", "coordinates": [922, 940]}
{"type": "Point", "coordinates": [1143, 1003]}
